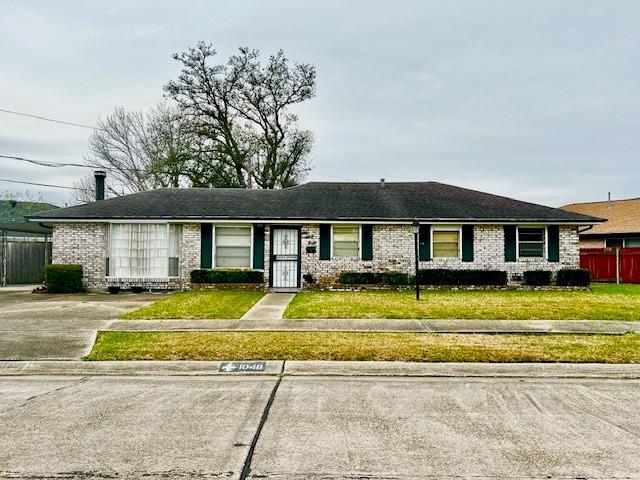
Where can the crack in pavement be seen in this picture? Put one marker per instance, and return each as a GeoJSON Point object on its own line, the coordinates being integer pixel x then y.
{"type": "Point", "coordinates": [40, 395]}
{"type": "Point", "coordinates": [89, 474]}
{"type": "Point", "coordinates": [246, 469]}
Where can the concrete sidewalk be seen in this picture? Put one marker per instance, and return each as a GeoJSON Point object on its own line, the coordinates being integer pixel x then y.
{"type": "Point", "coordinates": [323, 369]}
{"type": "Point", "coordinates": [381, 325]}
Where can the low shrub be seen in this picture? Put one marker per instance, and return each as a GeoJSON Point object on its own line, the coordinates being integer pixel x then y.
{"type": "Point", "coordinates": [536, 277]}
{"type": "Point", "coordinates": [578, 277]}
{"type": "Point", "coordinates": [61, 278]}
{"type": "Point", "coordinates": [137, 289]}
{"type": "Point", "coordinates": [443, 276]}
{"type": "Point", "coordinates": [396, 278]}
{"type": "Point", "coordinates": [113, 289]}
{"type": "Point", "coordinates": [374, 278]}
{"type": "Point", "coordinates": [227, 276]}
{"type": "Point", "coordinates": [359, 278]}
{"type": "Point", "coordinates": [309, 278]}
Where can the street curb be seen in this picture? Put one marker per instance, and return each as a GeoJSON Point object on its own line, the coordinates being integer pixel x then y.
{"type": "Point", "coordinates": [127, 368]}
{"type": "Point", "coordinates": [324, 369]}
{"type": "Point", "coordinates": [462, 369]}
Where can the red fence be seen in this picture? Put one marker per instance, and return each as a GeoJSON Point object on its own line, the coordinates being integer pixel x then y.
{"type": "Point", "coordinates": [602, 263]}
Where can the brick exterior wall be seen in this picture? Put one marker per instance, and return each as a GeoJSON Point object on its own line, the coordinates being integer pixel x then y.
{"type": "Point", "coordinates": [393, 250]}
{"type": "Point", "coordinates": [83, 244]}
{"type": "Point", "coordinates": [189, 251]}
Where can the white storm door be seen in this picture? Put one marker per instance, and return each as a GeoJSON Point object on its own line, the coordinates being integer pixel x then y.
{"type": "Point", "coordinates": [285, 257]}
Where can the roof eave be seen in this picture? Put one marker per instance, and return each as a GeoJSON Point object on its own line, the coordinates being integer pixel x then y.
{"type": "Point", "coordinates": [567, 221]}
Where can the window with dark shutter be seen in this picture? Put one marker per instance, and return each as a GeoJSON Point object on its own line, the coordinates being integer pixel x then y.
{"type": "Point", "coordinates": [325, 242]}
{"type": "Point", "coordinates": [509, 243]}
{"type": "Point", "coordinates": [205, 245]}
{"type": "Point", "coordinates": [258, 247]}
{"type": "Point", "coordinates": [367, 242]}
{"type": "Point", "coordinates": [553, 255]}
{"type": "Point", "coordinates": [424, 243]}
{"type": "Point", "coordinates": [467, 243]}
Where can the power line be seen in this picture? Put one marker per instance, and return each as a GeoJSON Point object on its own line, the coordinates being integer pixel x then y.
{"type": "Point", "coordinates": [44, 163]}
{"type": "Point", "coordinates": [42, 184]}
{"type": "Point", "coordinates": [53, 120]}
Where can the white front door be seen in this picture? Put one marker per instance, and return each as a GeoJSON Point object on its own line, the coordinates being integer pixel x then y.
{"type": "Point", "coordinates": [285, 257]}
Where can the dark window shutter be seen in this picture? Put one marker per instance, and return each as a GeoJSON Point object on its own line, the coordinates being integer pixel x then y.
{"type": "Point", "coordinates": [206, 243]}
{"type": "Point", "coordinates": [367, 242]}
{"type": "Point", "coordinates": [553, 254]}
{"type": "Point", "coordinates": [424, 243]}
{"type": "Point", "coordinates": [325, 242]}
{"type": "Point", "coordinates": [510, 243]}
{"type": "Point", "coordinates": [258, 247]}
{"type": "Point", "coordinates": [467, 243]}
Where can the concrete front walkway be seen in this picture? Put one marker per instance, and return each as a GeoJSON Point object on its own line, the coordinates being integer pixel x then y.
{"type": "Point", "coordinates": [381, 325]}
{"type": "Point", "coordinates": [270, 307]}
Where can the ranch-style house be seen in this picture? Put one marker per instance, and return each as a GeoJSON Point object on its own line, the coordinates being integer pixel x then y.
{"type": "Point", "coordinates": [316, 230]}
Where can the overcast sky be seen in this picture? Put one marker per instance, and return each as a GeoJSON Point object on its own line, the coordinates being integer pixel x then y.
{"type": "Point", "coordinates": [537, 100]}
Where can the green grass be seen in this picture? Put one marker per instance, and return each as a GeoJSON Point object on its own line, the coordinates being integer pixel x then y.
{"type": "Point", "coordinates": [602, 302]}
{"type": "Point", "coordinates": [199, 304]}
{"type": "Point", "coordinates": [416, 347]}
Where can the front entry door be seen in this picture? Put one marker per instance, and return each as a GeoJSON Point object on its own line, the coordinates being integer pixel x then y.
{"type": "Point", "coordinates": [285, 257]}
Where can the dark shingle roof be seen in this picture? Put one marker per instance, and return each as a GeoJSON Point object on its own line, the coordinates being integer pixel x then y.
{"type": "Point", "coordinates": [321, 201]}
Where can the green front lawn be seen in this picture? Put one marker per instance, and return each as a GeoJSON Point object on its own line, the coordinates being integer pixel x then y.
{"type": "Point", "coordinates": [198, 304]}
{"type": "Point", "coordinates": [602, 302]}
{"type": "Point", "coordinates": [415, 347]}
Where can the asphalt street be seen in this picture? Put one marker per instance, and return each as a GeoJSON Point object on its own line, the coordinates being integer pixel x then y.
{"type": "Point", "coordinates": [318, 427]}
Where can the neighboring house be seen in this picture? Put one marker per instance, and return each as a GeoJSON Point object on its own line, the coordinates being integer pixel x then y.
{"type": "Point", "coordinates": [622, 228]}
{"type": "Point", "coordinates": [156, 238]}
{"type": "Point", "coordinates": [13, 212]}
{"type": "Point", "coordinates": [25, 247]}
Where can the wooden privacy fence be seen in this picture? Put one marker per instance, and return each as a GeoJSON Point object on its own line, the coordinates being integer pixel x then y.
{"type": "Point", "coordinates": [606, 263]}
{"type": "Point", "coordinates": [22, 260]}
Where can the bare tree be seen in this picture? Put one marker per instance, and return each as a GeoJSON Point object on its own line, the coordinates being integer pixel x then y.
{"type": "Point", "coordinates": [240, 113]}
{"type": "Point", "coordinates": [140, 151]}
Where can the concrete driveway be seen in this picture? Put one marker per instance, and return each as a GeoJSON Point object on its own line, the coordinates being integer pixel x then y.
{"type": "Point", "coordinates": [46, 326]}
{"type": "Point", "coordinates": [317, 427]}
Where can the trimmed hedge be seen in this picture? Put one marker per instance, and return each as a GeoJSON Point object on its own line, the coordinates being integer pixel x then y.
{"type": "Point", "coordinates": [439, 276]}
{"type": "Point", "coordinates": [397, 278]}
{"type": "Point", "coordinates": [63, 278]}
{"type": "Point", "coordinates": [227, 276]}
{"type": "Point", "coordinates": [374, 278]}
{"type": "Point", "coordinates": [536, 278]}
{"type": "Point", "coordinates": [579, 277]}
{"type": "Point", "coordinates": [443, 276]}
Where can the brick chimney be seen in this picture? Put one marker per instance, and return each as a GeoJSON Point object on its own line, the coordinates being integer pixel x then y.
{"type": "Point", "coordinates": [100, 176]}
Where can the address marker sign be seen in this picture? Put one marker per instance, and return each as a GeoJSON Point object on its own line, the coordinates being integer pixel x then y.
{"type": "Point", "coordinates": [231, 367]}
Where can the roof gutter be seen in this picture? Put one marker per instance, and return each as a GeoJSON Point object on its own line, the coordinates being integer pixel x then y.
{"type": "Point", "coordinates": [200, 219]}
